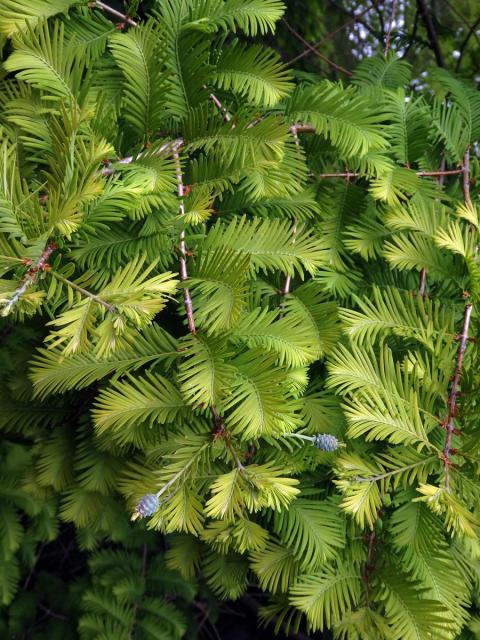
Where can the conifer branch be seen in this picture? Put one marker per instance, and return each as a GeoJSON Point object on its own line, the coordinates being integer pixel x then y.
{"type": "Point", "coordinates": [118, 14]}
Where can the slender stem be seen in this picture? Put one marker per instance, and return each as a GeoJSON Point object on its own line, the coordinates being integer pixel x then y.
{"type": "Point", "coordinates": [52, 614]}
{"type": "Point", "coordinates": [422, 285]}
{"type": "Point", "coordinates": [464, 44]}
{"type": "Point", "coordinates": [330, 35]}
{"type": "Point", "coordinates": [341, 174]}
{"type": "Point", "coordinates": [234, 455]}
{"type": "Point", "coordinates": [379, 36]}
{"type": "Point", "coordinates": [454, 389]}
{"type": "Point", "coordinates": [123, 17]}
{"type": "Point", "coordinates": [395, 472]}
{"type": "Point", "coordinates": [84, 292]}
{"type": "Point", "coordinates": [179, 474]}
{"type": "Point", "coordinates": [432, 34]}
{"type": "Point", "coordinates": [412, 37]}
{"type": "Point", "coordinates": [466, 177]}
{"type": "Point", "coordinates": [183, 248]}
{"type": "Point", "coordinates": [313, 50]}
{"type": "Point", "coordinates": [165, 149]}
{"type": "Point", "coordinates": [421, 174]}
{"type": "Point", "coordinates": [390, 27]}
{"type": "Point", "coordinates": [226, 115]}
{"type": "Point", "coordinates": [461, 17]}
{"type": "Point", "coordinates": [288, 279]}
{"type": "Point", "coordinates": [302, 128]}
{"type": "Point", "coordinates": [301, 436]}
{"type": "Point", "coordinates": [453, 395]}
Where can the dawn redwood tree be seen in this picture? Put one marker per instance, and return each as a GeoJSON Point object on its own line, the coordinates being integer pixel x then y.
{"type": "Point", "coordinates": [238, 316]}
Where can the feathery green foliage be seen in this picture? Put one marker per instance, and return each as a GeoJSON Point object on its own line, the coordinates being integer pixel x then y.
{"type": "Point", "coordinates": [189, 311]}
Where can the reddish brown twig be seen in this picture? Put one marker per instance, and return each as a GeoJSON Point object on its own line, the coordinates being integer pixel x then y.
{"type": "Point", "coordinates": [466, 177]}
{"type": "Point", "coordinates": [226, 115]}
{"type": "Point", "coordinates": [422, 283]}
{"type": "Point", "coordinates": [390, 27]}
{"type": "Point", "coordinates": [421, 174]}
{"type": "Point", "coordinates": [121, 16]}
{"type": "Point", "coordinates": [330, 35]}
{"type": "Point", "coordinates": [183, 249]}
{"type": "Point", "coordinates": [332, 64]}
{"type": "Point", "coordinates": [462, 345]}
{"type": "Point", "coordinates": [454, 392]}
{"type": "Point", "coordinates": [31, 276]}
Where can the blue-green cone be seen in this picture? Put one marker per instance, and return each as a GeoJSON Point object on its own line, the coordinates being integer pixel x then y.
{"type": "Point", "coordinates": [147, 505]}
{"type": "Point", "coordinates": [326, 442]}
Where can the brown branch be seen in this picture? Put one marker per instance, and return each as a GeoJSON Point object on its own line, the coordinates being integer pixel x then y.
{"type": "Point", "coordinates": [422, 284]}
{"type": "Point", "coordinates": [390, 27]}
{"type": "Point", "coordinates": [52, 614]}
{"type": "Point", "coordinates": [366, 25]}
{"type": "Point", "coordinates": [449, 422]}
{"type": "Point", "coordinates": [329, 36]}
{"type": "Point", "coordinates": [341, 174]}
{"type": "Point", "coordinates": [226, 115]}
{"type": "Point", "coordinates": [453, 395]}
{"type": "Point", "coordinates": [183, 248]}
{"type": "Point", "coordinates": [122, 16]}
{"type": "Point", "coordinates": [422, 174]}
{"type": "Point", "coordinates": [313, 50]}
{"type": "Point", "coordinates": [466, 177]}
{"type": "Point", "coordinates": [31, 276]}
{"type": "Point", "coordinates": [440, 172]}
{"type": "Point", "coordinates": [432, 34]}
